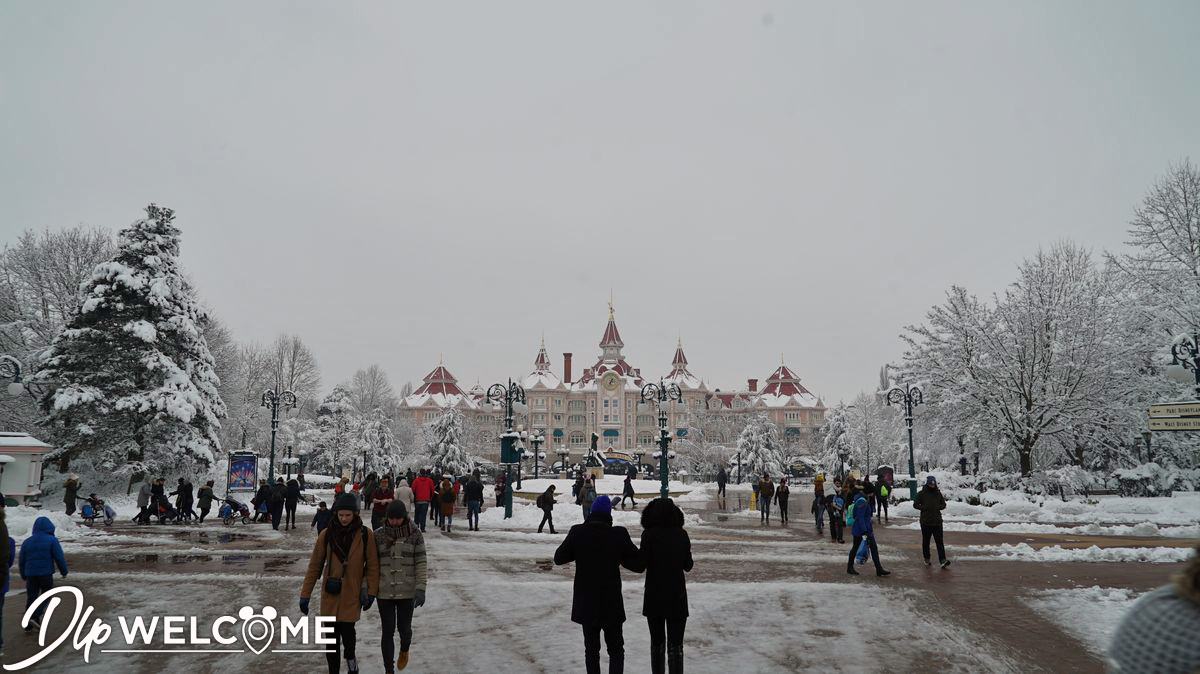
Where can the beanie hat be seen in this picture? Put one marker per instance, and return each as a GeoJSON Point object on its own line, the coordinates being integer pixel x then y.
{"type": "Point", "coordinates": [397, 510]}
{"type": "Point", "coordinates": [345, 502]}
{"type": "Point", "coordinates": [602, 504]}
{"type": "Point", "coordinates": [1158, 634]}
{"type": "Point", "coordinates": [931, 481]}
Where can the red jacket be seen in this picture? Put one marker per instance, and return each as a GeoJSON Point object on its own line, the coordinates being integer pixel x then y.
{"type": "Point", "coordinates": [423, 489]}
{"type": "Point", "coordinates": [381, 498]}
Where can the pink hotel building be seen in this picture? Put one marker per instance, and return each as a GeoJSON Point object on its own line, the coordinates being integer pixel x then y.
{"type": "Point", "coordinates": [604, 399]}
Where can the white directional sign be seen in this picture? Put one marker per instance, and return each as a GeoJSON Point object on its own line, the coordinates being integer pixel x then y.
{"type": "Point", "coordinates": [1175, 424]}
{"type": "Point", "coordinates": [1165, 410]}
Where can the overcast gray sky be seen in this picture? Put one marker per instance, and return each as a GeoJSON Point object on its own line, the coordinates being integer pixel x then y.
{"type": "Point", "coordinates": [393, 181]}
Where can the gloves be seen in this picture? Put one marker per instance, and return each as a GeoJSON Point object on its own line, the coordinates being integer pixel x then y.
{"type": "Point", "coordinates": [365, 600]}
{"type": "Point", "coordinates": [304, 605]}
{"type": "Point", "coordinates": [419, 598]}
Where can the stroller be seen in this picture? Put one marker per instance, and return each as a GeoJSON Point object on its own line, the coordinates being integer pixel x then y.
{"type": "Point", "coordinates": [231, 509]}
{"type": "Point", "coordinates": [94, 509]}
{"type": "Point", "coordinates": [165, 512]}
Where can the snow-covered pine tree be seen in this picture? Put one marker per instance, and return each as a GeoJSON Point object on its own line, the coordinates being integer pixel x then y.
{"type": "Point", "coordinates": [132, 381]}
{"type": "Point", "coordinates": [336, 419]}
{"type": "Point", "coordinates": [760, 448]}
{"type": "Point", "coordinates": [447, 449]}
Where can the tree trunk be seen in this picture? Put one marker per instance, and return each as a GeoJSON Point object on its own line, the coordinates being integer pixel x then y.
{"type": "Point", "coordinates": [1026, 461]}
{"type": "Point", "coordinates": [64, 462]}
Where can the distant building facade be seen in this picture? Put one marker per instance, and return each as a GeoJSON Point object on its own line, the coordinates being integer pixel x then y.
{"type": "Point", "coordinates": [603, 399]}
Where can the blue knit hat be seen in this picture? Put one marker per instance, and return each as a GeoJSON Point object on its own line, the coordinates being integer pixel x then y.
{"type": "Point", "coordinates": [602, 504]}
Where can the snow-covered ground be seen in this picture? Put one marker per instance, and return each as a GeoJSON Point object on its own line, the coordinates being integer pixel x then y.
{"type": "Point", "coordinates": [1090, 614]}
{"type": "Point", "coordinates": [1054, 553]}
{"type": "Point", "coordinates": [1143, 529]}
{"type": "Point", "coordinates": [1182, 509]}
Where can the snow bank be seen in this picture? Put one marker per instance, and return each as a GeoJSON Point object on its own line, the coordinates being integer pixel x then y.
{"type": "Point", "coordinates": [1142, 529]}
{"type": "Point", "coordinates": [1013, 506]}
{"type": "Point", "coordinates": [1088, 614]}
{"type": "Point", "coordinates": [20, 523]}
{"type": "Point", "coordinates": [1054, 553]}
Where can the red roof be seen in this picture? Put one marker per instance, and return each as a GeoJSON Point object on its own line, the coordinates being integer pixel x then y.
{"type": "Point", "coordinates": [611, 336]}
{"type": "Point", "coordinates": [784, 382]}
{"type": "Point", "coordinates": [439, 381]}
{"type": "Point", "coordinates": [542, 362]}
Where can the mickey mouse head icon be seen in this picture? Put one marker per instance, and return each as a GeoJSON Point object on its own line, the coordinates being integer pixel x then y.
{"type": "Point", "coordinates": [258, 630]}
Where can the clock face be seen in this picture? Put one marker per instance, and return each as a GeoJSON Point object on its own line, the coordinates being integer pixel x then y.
{"type": "Point", "coordinates": [611, 382]}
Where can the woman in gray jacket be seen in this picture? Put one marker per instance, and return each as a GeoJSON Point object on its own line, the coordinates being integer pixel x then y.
{"type": "Point", "coordinates": [402, 573]}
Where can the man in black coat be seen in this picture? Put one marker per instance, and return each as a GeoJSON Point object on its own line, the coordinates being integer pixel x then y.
{"type": "Point", "coordinates": [599, 550]}
{"type": "Point", "coordinates": [275, 502]}
{"type": "Point", "coordinates": [261, 501]}
{"type": "Point", "coordinates": [289, 504]}
{"type": "Point", "coordinates": [722, 479]}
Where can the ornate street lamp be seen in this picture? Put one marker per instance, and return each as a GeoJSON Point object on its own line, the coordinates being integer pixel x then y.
{"type": "Point", "coordinates": [976, 474]}
{"type": "Point", "coordinates": [658, 394]}
{"type": "Point", "coordinates": [842, 456]}
{"type": "Point", "coordinates": [1186, 353]}
{"type": "Point", "coordinates": [273, 402]}
{"type": "Point", "coordinates": [1146, 436]}
{"type": "Point", "coordinates": [522, 454]}
{"type": "Point", "coordinates": [563, 454]}
{"type": "Point", "coordinates": [10, 368]}
{"type": "Point", "coordinates": [511, 396]}
{"type": "Point", "coordinates": [538, 455]}
{"type": "Point", "coordinates": [962, 457]}
{"type": "Point", "coordinates": [910, 396]}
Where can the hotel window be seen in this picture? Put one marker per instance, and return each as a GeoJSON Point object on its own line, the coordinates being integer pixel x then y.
{"type": "Point", "coordinates": [540, 402]}
{"type": "Point", "coordinates": [558, 402]}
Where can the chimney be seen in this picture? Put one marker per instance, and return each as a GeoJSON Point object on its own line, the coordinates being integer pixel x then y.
{"type": "Point", "coordinates": [566, 368]}
{"type": "Point", "coordinates": [753, 384]}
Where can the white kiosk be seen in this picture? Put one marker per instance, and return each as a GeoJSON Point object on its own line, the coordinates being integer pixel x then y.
{"type": "Point", "coordinates": [21, 466]}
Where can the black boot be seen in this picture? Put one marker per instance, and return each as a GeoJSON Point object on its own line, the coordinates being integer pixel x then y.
{"type": "Point", "coordinates": [658, 654]}
{"type": "Point", "coordinates": [675, 659]}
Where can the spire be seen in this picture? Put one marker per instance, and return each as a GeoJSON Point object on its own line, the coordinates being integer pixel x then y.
{"type": "Point", "coordinates": [542, 362]}
{"type": "Point", "coordinates": [679, 362]}
{"type": "Point", "coordinates": [611, 337]}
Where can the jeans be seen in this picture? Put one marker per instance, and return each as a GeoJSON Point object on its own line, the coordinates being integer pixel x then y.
{"type": "Point", "coordinates": [821, 519]}
{"type": "Point", "coordinates": [883, 508]}
{"type": "Point", "coordinates": [396, 616]}
{"type": "Point", "coordinates": [473, 508]}
{"type": "Point", "coordinates": [547, 517]}
{"type": "Point", "coordinates": [289, 509]}
{"type": "Point", "coordinates": [614, 640]}
{"type": "Point", "coordinates": [422, 511]}
{"type": "Point", "coordinates": [34, 587]}
{"type": "Point", "coordinates": [343, 635]}
{"type": "Point", "coordinates": [446, 520]}
{"type": "Point", "coordinates": [765, 507]}
{"type": "Point", "coordinates": [783, 510]}
{"type": "Point", "coordinates": [376, 519]}
{"type": "Point", "coordinates": [870, 546]}
{"type": "Point", "coordinates": [934, 530]}
{"type": "Point", "coordinates": [720, 489]}
{"type": "Point", "coordinates": [836, 526]}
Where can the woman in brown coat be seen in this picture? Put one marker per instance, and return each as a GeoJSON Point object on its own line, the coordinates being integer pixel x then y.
{"type": "Point", "coordinates": [344, 551]}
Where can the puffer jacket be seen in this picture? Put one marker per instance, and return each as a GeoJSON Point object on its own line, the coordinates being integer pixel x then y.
{"type": "Point", "coordinates": [402, 562]}
{"type": "Point", "coordinates": [40, 553]}
{"type": "Point", "coordinates": [862, 517]}
{"type": "Point", "coordinates": [931, 503]}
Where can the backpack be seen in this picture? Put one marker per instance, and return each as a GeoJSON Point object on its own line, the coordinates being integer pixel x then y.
{"type": "Point", "coordinates": [850, 515]}
{"type": "Point", "coordinates": [883, 491]}
{"type": "Point", "coordinates": [541, 501]}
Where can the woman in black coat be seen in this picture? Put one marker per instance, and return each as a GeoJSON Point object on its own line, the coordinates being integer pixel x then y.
{"type": "Point", "coordinates": [666, 553]}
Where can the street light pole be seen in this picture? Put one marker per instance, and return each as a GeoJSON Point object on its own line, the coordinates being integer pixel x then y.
{"type": "Point", "coordinates": [289, 462]}
{"type": "Point", "coordinates": [962, 457]}
{"type": "Point", "coordinates": [537, 441]}
{"type": "Point", "coordinates": [659, 394]}
{"type": "Point", "coordinates": [509, 395]}
{"type": "Point", "coordinates": [273, 402]}
{"type": "Point", "coordinates": [910, 396]}
{"type": "Point", "coordinates": [976, 474]}
{"type": "Point", "coordinates": [1186, 352]}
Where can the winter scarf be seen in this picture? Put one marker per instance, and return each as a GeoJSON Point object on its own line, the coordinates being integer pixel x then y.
{"type": "Point", "coordinates": [388, 535]}
{"type": "Point", "coordinates": [341, 537]}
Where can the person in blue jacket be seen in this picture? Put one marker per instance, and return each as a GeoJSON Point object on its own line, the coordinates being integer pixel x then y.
{"type": "Point", "coordinates": [863, 531]}
{"type": "Point", "coordinates": [11, 549]}
{"type": "Point", "coordinates": [40, 553]}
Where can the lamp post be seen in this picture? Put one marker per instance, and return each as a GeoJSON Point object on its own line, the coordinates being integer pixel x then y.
{"type": "Point", "coordinates": [511, 395]}
{"type": "Point", "coordinates": [659, 394]}
{"type": "Point", "coordinates": [637, 457]}
{"type": "Point", "coordinates": [521, 454]}
{"type": "Point", "coordinates": [1186, 352]}
{"type": "Point", "coordinates": [976, 474]}
{"type": "Point", "coordinates": [1146, 435]}
{"type": "Point", "coordinates": [289, 461]}
{"type": "Point", "coordinates": [842, 456]}
{"type": "Point", "coordinates": [563, 453]}
{"type": "Point", "coordinates": [10, 368]}
{"type": "Point", "coordinates": [962, 457]}
{"type": "Point", "coordinates": [538, 455]}
{"type": "Point", "coordinates": [910, 396]}
{"type": "Point", "coordinates": [273, 401]}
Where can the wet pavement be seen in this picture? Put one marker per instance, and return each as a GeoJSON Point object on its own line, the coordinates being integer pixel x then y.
{"type": "Point", "coordinates": [215, 565]}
